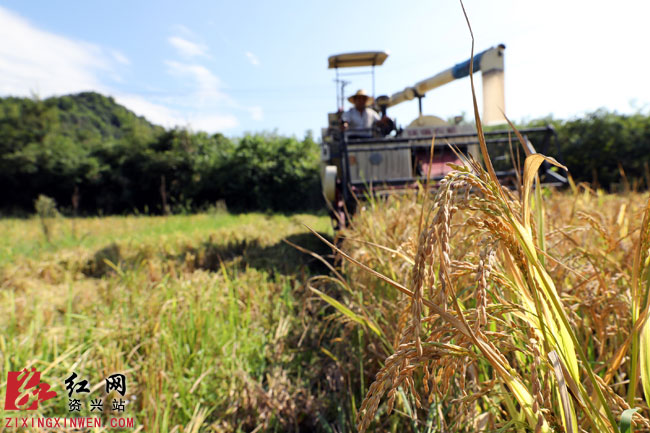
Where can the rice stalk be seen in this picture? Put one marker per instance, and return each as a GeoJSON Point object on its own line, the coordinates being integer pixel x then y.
{"type": "Point", "coordinates": [640, 312]}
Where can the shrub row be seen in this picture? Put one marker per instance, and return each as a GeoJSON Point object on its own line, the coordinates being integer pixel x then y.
{"type": "Point", "coordinates": [94, 156]}
{"type": "Point", "coordinates": [597, 146]}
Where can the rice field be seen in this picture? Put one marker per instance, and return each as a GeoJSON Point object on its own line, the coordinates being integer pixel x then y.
{"type": "Point", "coordinates": [201, 314]}
{"type": "Point", "coordinates": [469, 317]}
{"type": "Point", "coordinates": [472, 308]}
{"type": "Point", "coordinates": [483, 320]}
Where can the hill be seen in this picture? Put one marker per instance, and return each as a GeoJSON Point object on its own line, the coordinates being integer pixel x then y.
{"type": "Point", "coordinates": [50, 146]}
{"type": "Point", "coordinates": [87, 117]}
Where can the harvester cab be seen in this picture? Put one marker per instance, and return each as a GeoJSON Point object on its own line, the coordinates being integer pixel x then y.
{"type": "Point", "coordinates": [387, 158]}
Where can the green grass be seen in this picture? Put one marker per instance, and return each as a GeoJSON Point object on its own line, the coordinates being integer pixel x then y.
{"type": "Point", "coordinates": [24, 237]}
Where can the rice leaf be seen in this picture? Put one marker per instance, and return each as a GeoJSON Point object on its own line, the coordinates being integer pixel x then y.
{"type": "Point", "coordinates": [644, 359]}
{"type": "Point", "coordinates": [568, 416]}
{"type": "Point", "coordinates": [330, 354]}
{"type": "Point", "coordinates": [531, 165]}
{"type": "Point", "coordinates": [346, 311]}
{"type": "Point", "coordinates": [625, 424]}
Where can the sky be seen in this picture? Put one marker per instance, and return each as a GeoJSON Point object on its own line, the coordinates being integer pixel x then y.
{"type": "Point", "coordinates": [243, 66]}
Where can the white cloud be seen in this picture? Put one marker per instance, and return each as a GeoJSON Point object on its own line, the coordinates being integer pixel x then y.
{"type": "Point", "coordinates": [205, 101]}
{"type": "Point", "coordinates": [212, 122]}
{"type": "Point", "coordinates": [170, 118]}
{"type": "Point", "coordinates": [187, 48]}
{"type": "Point", "coordinates": [155, 113]}
{"type": "Point", "coordinates": [205, 85]}
{"type": "Point", "coordinates": [256, 113]}
{"type": "Point", "coordinates": [120, 57]}
{"type": "Point", "coordinates": [180, 28]}
{"type": "Point", "coordinates": [252, 58]}
{"type": "Point", "coordinates": [33, 60]}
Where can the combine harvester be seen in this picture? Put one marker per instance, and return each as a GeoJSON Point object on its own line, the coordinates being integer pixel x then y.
{"type": "Point", "coordinates": [389, 159]}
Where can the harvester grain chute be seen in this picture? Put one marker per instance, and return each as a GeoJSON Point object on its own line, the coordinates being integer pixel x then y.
{"type": "Point", "coordinates": [387, 159]}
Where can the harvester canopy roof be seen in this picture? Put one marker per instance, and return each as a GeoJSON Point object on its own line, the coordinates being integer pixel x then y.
{"type": "Point", "coordinates": [363, 58]}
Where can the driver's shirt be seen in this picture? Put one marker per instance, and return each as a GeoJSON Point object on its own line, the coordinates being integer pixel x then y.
{"type": "Point", "coordinates": [363, 120]}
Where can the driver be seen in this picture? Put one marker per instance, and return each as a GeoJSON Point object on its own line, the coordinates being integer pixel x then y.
{"type": "Point", "coordinates": [360, 119]}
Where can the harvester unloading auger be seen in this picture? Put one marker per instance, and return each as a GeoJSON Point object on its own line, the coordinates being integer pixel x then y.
{"type": "Point", "coordinates": [387, 158]}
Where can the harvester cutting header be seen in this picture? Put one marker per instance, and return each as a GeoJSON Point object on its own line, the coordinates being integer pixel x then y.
{"type": "Point", "coordinates": [364, 151]}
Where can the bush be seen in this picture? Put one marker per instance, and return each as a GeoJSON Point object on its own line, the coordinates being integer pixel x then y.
{"type": "Point", "coordinates": [273, 172]}
{"type": "Point", "coordinates": [46, 211]}
{"type": "Point", "coordinates": [595, 146]}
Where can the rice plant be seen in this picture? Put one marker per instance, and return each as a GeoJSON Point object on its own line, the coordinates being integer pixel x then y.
{"type": "Point", "coordinates": [501, 310]}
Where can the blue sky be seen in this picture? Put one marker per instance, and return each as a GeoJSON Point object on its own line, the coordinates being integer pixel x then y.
{"type": "Point", "coordinates": [250, 66]}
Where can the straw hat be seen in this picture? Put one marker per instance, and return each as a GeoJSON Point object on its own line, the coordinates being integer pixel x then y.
{"type": "Point", "coordinates": [361, 92]}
